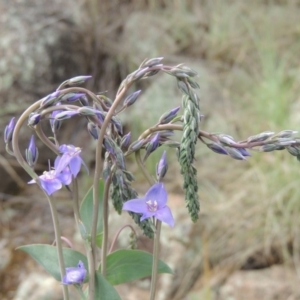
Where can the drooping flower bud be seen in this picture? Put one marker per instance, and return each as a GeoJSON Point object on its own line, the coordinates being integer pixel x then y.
{"type": "Point", "coordinates": [55, 124]}
{"type": "Point", "coordinates": [34, 118]}
{"type": "Point", "coordinates": [93, 130]}
{"type": "Point", "coordinates": [31, 153]}
{"type": "Point", "coordinates": [162, 167]}
{"type": "Point", "coordinates": [125, 140]}
{"type": "Point", "coordinates": [67, 114]}
{"type": "Point", "coordinates": [84, 100]}
{"type": "Point", "coordinates": [152, 145]}
{"type": "Point", "coordinates": [78, 79]}
{"type": "Point", "coordinates": [131, 98]}
{"type": "Point", "coordinates": [169, 116]}
{"type": "Point", "coordinates": [71, 97]}
{"type": "Point", "coordinates": [50, 99]}
{"type": "Point", "coordinates": [8, 131]}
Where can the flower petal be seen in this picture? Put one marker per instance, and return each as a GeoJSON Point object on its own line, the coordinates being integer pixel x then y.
{"type": "Point", "coordinates": [51, 186]}
{"type": "Point", "coordinates": [136, 205]}
{"type": "Point", "coordinates": [147, 214]}
{"type": "Point", "coordinates": [157, 193]}
{"type": "Point", "coordinates": [75, 164]}
{"type": "Point", "coordinates": [165, 216]}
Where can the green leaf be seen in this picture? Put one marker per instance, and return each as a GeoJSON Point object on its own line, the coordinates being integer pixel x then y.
{"type": "Point", "coordinates": [87, 208]}
{"type": "Point", "coordinates": [128, 265]}
{"type": "Point", "coordinates": [104, 290]}
{"type": "Point", "coordinates": [46, 256]}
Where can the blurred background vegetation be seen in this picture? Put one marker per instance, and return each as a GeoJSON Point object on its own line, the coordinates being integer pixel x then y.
{"type": "Point", "coordinates": [247, 57]}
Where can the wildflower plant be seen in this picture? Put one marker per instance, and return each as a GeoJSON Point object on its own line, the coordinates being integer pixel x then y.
{"type": "Point", "coordinates": [93, 276]}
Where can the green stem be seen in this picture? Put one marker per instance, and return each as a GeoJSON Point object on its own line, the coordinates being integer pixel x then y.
{"type": "Point", "coordinates": [80, 291]}
{"type": "Point", "coordinates": [155, 260]}
{"type": "Point", "coordinates": [58, 244]}
{"type": "Point", "coordinates": [156, 233]}
{"type": "Point", "coordinates": [75, 201]}
{"type": "Point", "coordinates": [105, 226]}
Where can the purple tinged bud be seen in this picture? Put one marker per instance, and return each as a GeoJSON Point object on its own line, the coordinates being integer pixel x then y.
{"type": "Point", "coordinates": [152, 62]}
{"type": "Point", "coordinates": [9, 130]}
{"type": "Point", "coordinates": [108, 145]}
{"type": "Point", "coordinates": [89, 111]}
{"type": "Point", "coordinates": [84, 100]}
{"type": "Point", "coordinates": [136, 145]}
{"type": "Point", "coordinates": [34, 118]}
{"type": "Point", "coordinates": [243, 151]}
{"type": "Point", "coordinates": [93, 130]}
{"type": "Point", "coordinates": [117, 124]}
{"type": "Point", "coordinates": [31, 153]}
{"type": "Point", "coordinates": [64, 115]}
{"type": "Point", "coordinates": [217, 148]}
{"type": "Point", "coordinates": [55, 124]}
{"type": "Point", "coordinates": [78, 79]}
{"type": "Point", "coordinates": [131, 98]}
{"type": "Point", "coordinates": [125, 140]}
{"type": "Point", "coordinates": [72, 97]}
{"type": "Point", "coordinates": [162, 167]}
{"type": "Point", "coordinates": [153, 143]}
{"type": "Point", "coordinates": [169, 116]}
{"type": "Point", "coordinates": [50, 99]}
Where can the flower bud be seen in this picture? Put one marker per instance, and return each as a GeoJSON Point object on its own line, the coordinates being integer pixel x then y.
{"type": "Point", "coordinates": [78, 79]}
{"type": "Point", "coordinates": [67, 114]}
{"type": "Point", "coordinates": [50, 99]}
{"type": "Point", "coordinates": [169, 116]}
{"type": "Point", "coordinates": [162, 167]}
{"type": "Point", "coordinates": [32, 153]}
{"type": "Point", "coordinates": [125, 140]}
{"type": "Point", "coordinates": [71, 97]}
{"type": "Point", "coordinates": [8, 131]}
{"type": "Point", "coordinates": [131, 98]}
{"type": "Point", "coordinates": [34, 118]}
{"type": "Point", "coordinates": [93, 130]}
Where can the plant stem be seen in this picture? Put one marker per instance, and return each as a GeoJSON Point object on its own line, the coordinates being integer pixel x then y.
{"type": "Point", "coordinates": [30, 171]}
{"type": "Point", "coordinates": [117, 235]}
{"type": "Point", "coordinates": [97, 175]}
{"type": "Point", "coordinates": [155, 260]}
{"type": "Point", "coordinates": [105, 226]}
{"type": "Point", "coordinates": [58, 245]}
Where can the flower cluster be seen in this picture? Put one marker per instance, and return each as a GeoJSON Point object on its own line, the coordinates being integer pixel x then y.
{"type": "Point", "coordinates": [66, 166]}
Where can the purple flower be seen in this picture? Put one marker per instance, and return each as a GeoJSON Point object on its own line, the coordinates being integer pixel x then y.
{"type": "Point", "coordinates": [162, 167]}
{"type": "Point", "coordinates": [49, 182]}
{"type": "Point", "coordinates": [32, 152]}
{"type": "Point", "coordinates": [9, 130]}
{"type": "Point", "coordinates": [75, 275]}
{"type": "Point", "coordinates": [70, 157]}
{"type": "Point", "coordinates": [152, 205]}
